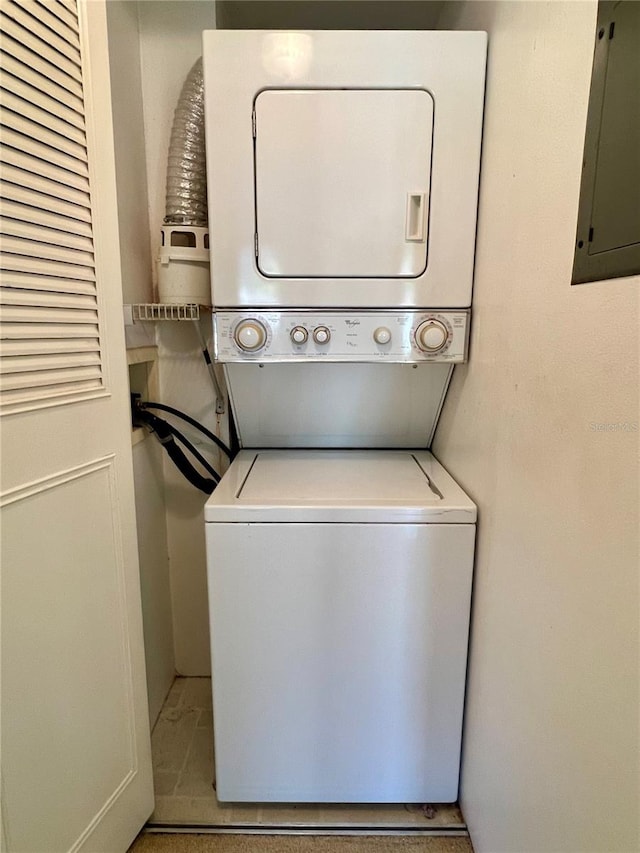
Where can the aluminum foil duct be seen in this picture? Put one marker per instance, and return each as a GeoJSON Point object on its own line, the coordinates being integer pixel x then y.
{"type": "Point", "coordinates": [186, 168]}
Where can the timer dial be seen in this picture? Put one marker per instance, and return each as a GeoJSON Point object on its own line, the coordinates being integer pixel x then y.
{"type": "Point", "coordinates": [321, 335]}
{"type": "Point", "coordinates": [431, 336]}
{"type": "Point", "coordinates": [250, 335]}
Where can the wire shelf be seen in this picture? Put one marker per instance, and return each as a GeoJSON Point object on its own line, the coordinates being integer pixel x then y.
{"type": "Point", "coordinates": [151, 311]}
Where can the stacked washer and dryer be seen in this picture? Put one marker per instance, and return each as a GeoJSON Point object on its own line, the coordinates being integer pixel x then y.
{"type": "Point", "coordinates": [343, 180]}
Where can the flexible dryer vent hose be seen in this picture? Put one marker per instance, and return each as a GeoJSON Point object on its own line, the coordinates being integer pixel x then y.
{"type": "Point", "coordinates": [186, 168]}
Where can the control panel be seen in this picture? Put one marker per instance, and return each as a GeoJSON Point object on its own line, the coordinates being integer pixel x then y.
{"type": "Point", "coordinates": [341, 336]}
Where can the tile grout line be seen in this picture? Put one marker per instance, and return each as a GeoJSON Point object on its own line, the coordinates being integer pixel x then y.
{"type": "Point", "coordinates": [179, 706]}
{"type": "Point", "coordinates": [182, 705]}
{"type": "Point", "coordinates": [189, 748]}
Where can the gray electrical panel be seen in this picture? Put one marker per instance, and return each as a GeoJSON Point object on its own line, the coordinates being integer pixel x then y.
{"type": "Point", "coordinates": [608, 234]}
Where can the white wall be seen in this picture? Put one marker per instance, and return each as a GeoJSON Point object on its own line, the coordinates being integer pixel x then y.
{"type": "Point", "coordinates": [170, 42]}
{"type": "Point", "coordinates": [126, 93]}
{"type": "Point", "coordinates": [154, 572]}
{"type": "Point", "coordinates": [550, 757]}
{"type": "Point", "coordinates": [136, 279]}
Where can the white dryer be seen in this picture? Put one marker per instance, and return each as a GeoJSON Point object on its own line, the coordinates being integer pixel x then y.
{"type": "Point", "coordinates": [342, 167]}
{"type": "Point", "coordinates": [339, 588]}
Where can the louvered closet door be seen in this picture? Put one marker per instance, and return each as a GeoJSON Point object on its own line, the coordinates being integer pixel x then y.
{"type": "Point", "coordinates": [50, 326]}
{"type": "Point", "coordinates": [76, 772]}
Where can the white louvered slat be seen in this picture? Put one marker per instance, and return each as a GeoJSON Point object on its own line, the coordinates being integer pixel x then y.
{"type": "Point", "coordinates": [42, 100]}
{"type": "Point", "coordinates": [23, 195]}
{"type": "Point", "coordinates": [47, 346]}
{"type": "Point", "coordinates": [49, 89]}
{"type": "Point", "coordinates": [62, 12]}
{"type": "Point", "coordinates": [30, 315]}
{"type": "Point", "coordinates": [30, 24]}
{"type": "Point", "coordinates": [31, 281]}
{"type": "Point", "coordinates": [45, 251]}
{"type": "Point", "coordinates": [39, 64]}
{"type": "Point", "coordinates": [39, 331]}
{"type": "Point", "coordinates": [44, 13]}
{"type": "Point", "coordinates": [42, 267]}
{"type": "Point", "coordinates": [19, 160]}
{"type": "Point", "coordinates": [12, 400]}
{"type": "Point", "coordinates": [40, 56]}
{"type": "Point", "coordinates": [16, 228]}
{"type": "Point", "coordinates": [68, 4]}
{"type": "Point", "coordinates": [11, 101]}
{"type": "Point", "coordinates": [23, 124]}
{"type": "Point", "coordinates": [50, 330]}
{"type": "Point", "coordinates": [57, 189]}
{"type": "Point", "coordinates": [39, 217]}
{"type": "Point", "coordinates": [44, 154]}
{"type": "Point", "coordinates": [60, 361]}
{"type": "Point", "coordinates": [37, 378]}
{"type": "Point", "coordinates": [12, 296]}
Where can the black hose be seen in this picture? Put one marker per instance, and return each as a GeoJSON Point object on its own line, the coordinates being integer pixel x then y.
{"type": "Point", "coordinates": [181, 462]}
{"type": "Point", "coordinates": [164, 408]}
{"type": "Point", "coordinates": [164, 433]}
{"type": "Point", "coordinates": [193, 450]}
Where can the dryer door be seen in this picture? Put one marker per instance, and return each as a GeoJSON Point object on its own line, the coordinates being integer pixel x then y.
{"type": "Point", "coordinates": [342, 179]}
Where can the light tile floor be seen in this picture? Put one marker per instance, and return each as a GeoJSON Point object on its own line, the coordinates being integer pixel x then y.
{"type": "Point", "coordinates": [182, 746]}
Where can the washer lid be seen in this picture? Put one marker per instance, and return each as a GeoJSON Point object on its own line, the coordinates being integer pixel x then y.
{"type": "Point", "coordinates": [366, 486]}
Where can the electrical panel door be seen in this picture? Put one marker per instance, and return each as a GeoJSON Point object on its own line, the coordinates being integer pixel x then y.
{"type": "Point", "coordinates": [342, 179]}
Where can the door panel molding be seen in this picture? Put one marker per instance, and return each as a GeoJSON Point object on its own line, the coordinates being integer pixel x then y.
{"type": "Point", "coordinates": [101, 474]}
{"type": "Point", "coordinates": [19, 493]}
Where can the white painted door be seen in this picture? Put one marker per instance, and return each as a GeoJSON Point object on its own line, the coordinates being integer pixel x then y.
{"type": "Point", "coordinates": [76, 769]}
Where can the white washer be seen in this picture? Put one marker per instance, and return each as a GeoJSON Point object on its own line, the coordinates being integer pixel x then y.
{"type": "Point", "coordinates": [339, 588]}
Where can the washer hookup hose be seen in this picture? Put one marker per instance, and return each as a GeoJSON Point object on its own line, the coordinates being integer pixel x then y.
{"type": "Point", "coordinates": [166, 434]}
{"type": "Point", "coordinates": [162, 407]}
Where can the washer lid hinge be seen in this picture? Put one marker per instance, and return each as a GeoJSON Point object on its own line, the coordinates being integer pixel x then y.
{"type": "Point", "coordinates": [253, 123]}
{"type": "Point", "coordinates": [255, 244]}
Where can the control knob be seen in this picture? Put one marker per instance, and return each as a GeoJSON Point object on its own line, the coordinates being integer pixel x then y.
{"type": "Point", "coordinates": [250, 335]}
{"type": "Point", "coordinates": [299, 335]}
{"type": "Point", "coordinates": [382, 335]}
{"type": "Point", "coordinates": [321, 335]}
{"type": "Point", "coordinates": [431, 336]}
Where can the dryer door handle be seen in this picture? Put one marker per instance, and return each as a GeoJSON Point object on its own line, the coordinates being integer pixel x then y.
{"type": "Point", "coordinates": [415, 217]}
